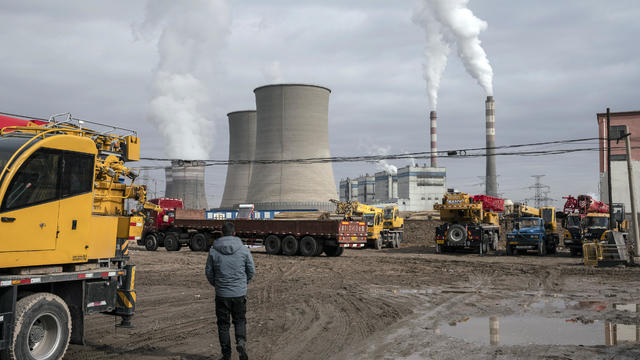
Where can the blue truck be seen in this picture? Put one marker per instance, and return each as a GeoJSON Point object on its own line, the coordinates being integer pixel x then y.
{"type": "Point", "coordinates": [530, 233]}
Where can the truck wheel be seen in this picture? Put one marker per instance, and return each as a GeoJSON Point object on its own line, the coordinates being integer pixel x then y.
{"type": "Point", "coordinates": [198, 242]}
{"type": "Point", "coordinates": [151, 242]}
{"type": "Point", "coordinates": [273, 245]}
{"type": "Point", "coordinates": [438, 249]}
{"type": "Point", "coordinates": [289, 245]}
{"type": "Point", "coordinates": [41, 328]}
{"type": "Point", "coordinates": [542, 249]}
{"type": "Point", "coordinates": [378, 244]}
{"type": "Point", "coordinates": [574, 251]}
{"type": "Point", "coordinates": [509, 250]}
{"type": "Point", "coordinates": [319, 247]}
{"type": "Point", "coordinates": [333, 251]}
{"type": "Point", "coordinates": [457, 234]}
{"type": "Point", "coordinates": [308, 246]}
{"type": "Point", "coordinates": [171, 242]}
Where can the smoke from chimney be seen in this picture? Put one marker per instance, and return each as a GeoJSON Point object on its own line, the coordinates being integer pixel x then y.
{"type": "Point", "coordinates": [449, 22]}
{"type": "Point", "coordinates": [188, 42]}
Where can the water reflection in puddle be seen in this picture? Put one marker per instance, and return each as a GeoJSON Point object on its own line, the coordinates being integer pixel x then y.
{"type": "Point", "coordinates": [534, 329]}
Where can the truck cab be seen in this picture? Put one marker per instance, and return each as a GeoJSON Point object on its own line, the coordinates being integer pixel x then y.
{"type": "Point", "coordinates": [529, 233]}
{"type": "Point", "coordinates": [595, 225]}
{"type": "Point", "coordinates": [573, 233]}
{"type": "Point", "coordinates": [157, 221]}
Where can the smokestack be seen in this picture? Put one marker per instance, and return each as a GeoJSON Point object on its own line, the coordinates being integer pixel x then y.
{"type": "Point", "coordinates": [491, 182]}
{"type": "Point", "coordinates": [434, 139]}
{"type": "Point", "coordinates": [188, 183]}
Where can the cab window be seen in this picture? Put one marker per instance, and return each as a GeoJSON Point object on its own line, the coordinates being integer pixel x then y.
{"type": "Point", "coordinates": [36, 181]}
{"type": "Point", "coordinates": [77, 173]}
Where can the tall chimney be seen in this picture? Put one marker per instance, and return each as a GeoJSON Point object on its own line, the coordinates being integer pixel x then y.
{"type": "Point", "coordinates": [434, 139]}
{"type": "Point", "coordinates": [491, 181]}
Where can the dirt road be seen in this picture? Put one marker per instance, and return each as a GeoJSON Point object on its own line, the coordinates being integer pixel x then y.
{"type": "Point", "coordinates": [367, 304]}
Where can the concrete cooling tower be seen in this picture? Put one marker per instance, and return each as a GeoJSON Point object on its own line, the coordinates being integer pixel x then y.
{"type": "Point", "coordinates": [242, 145]}
{"type": "Point", "coordinates": [185, 180]}
{"type": "Point", "coordinates": [292, 123]}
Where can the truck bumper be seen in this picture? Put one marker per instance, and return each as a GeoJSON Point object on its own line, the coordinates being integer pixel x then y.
{"type": "Point", "coordinates": [524, 244]}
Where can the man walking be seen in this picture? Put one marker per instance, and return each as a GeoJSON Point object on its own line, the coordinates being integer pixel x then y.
{"type": "Point", "coordinates": [229, 269]}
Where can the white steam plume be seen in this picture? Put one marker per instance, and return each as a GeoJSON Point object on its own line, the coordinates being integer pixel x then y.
{"type": "Point", "coordinates": [451, 22]}
{"type": "Point", "coordinates": [383, 164]}
{"type": "Point", "coordinates": [190, 37]}
{"type": "Point", "coordinates": [272, 72]}
{"type": "Point", "coordinates": [436, 50]}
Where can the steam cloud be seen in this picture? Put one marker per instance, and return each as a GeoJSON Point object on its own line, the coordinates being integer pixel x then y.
{"type": "Point", "coordinates": [383, 164]}
{"type": "Point", "coordinates": [449, 22]}
{"type": "Point", "coordinates": [272, 72]}
{"type": "Point", "coordinates": [191, 35]}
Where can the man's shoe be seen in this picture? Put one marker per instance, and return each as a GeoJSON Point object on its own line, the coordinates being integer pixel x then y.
{"type": "Point", "coordinates": [242, 352]}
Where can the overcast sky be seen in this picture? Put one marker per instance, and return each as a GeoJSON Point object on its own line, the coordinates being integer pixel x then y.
{"type": "Point", "coordinates": [556, 64]}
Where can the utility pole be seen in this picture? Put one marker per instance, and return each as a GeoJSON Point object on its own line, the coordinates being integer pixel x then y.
{"type": "Point", "coordinates": [540, 197]}
{"type": "Point", "coordinates": [632, 193]}
{"type": "Point", "coordinates": [610, 196]}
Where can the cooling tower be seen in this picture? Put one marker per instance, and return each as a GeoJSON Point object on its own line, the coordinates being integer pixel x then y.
{"type": "Point", "coordinates": [242, 145]}
{"type": "Point", "coordinates": [434, 138]}
{"type": "Point", "coordinates": [168, 187]}
{"type": "Point", "coordinates": [188, 183]}
{"type": "Point", "coordinates": [292, 123]}
{"type": "Point", "coordinates": [491, 180]}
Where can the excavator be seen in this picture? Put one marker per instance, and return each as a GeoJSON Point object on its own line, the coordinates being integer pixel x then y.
{"type": "Point", "coordinates": [385, 227]}
{"type": "Point", "coordinates": [65, 231]}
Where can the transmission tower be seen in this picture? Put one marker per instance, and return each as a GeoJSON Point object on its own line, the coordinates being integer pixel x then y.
{"type": "Point", "coordinates": [541, 192]}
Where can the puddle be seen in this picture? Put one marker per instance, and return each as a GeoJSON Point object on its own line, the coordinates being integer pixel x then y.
{"type": "Point", "coordinates": [525, 330]}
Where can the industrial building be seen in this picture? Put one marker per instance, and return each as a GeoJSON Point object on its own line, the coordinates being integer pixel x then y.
{"type": "Point", "coordinates": [349, 190]}
{"type": "Point", "coordinates": [413, 188]}
{"type": "Point", "coordinates": [185, 180]}
{"type": "Point", "coordinates": [242, 145]}
{"type": "Point", "coordinates": [292, 123]}
{"type": "Point", "coordinates": [619, 173]}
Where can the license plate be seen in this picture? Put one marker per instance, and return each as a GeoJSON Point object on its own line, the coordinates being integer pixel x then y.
{"type": "Point", "coordinates": [513, 242]}
{"type": "Point", "coordinates": [440, 241]}
{"type": "Point", "coordinates": [354, 238]}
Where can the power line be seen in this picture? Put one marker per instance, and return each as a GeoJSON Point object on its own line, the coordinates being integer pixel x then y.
{"type": "Point", "coordinates": [460, 153]}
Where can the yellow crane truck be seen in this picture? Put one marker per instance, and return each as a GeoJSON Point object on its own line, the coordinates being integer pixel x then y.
{"type": "Point", "coordinates": [468, 222]}
{"type": "Point", "coordinates": [65, 232]}
{"type": "Point", "coordinates": [385, 227]}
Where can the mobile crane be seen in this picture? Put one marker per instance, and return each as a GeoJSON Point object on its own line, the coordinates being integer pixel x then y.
{"type": "Point", "coordinates": [470, 221]}
{"type": "Point", "coordinates": [385, 227]}
{"type": "Point", "coordinates": [65, 232]}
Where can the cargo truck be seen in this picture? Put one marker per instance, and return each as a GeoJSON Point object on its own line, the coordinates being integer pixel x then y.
{"type": "Point", "coordinates": [280, 237]}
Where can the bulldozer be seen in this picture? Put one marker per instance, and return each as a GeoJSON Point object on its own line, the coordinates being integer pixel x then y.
{"type": "Point", "coordinates": [385, 227]}
{"type": "Point", "coordinates": [65, 231]}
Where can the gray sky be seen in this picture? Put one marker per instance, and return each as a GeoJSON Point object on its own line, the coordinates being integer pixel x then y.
{"type": "Point", "coordinates": [556, 64]}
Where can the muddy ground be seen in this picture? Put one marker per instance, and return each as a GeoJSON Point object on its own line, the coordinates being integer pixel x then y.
{"type": "Point", "coordinates": [367, 304]}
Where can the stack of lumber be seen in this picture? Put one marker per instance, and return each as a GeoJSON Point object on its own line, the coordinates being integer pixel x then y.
{"type": "Point", "coordinates": [309, 215]}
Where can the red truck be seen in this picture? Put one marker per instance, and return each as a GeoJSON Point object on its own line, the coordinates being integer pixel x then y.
{"type": "Point", "coordinates": [287, 237]}
{"type": "Point", "coordinates": [157, 222]}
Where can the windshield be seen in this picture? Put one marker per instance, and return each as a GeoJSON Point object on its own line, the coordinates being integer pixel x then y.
{"type": "Point", "coordinates": [8, 146]}
{"type": "Point", "coordinates": [527, 223]}
{"type": "Point", "coordinates": [368, 218]}
{"type": "Point", "coordinates": [597, 222]}
{"type": "Point", "coordinates": [388, 214]}
{"type": "Point", "coordinates": [574, 221]}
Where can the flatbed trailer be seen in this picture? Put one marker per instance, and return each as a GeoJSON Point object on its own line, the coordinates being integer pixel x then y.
{"type": "Point", "coordinates": [288, 237]}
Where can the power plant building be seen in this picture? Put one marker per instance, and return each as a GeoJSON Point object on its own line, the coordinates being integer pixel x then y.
{"type": "Point", "coordinates": [242, 145]}
{"type": "Point", "coordinates": [366, 189]}
{"type": "Point", "coordinates": [414, 188]}
{"type": "Point", "coordinates": [292, 123]}
{"type": "Point", "coordinates": [348, 190]}
{"type": "Point", "coordinates": [386, 188]}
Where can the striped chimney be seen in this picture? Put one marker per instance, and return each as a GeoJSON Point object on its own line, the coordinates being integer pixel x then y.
{"type": "Point", "coordinates": [434, 139]}
{"type": "Point", "coordinates": [491, 182]}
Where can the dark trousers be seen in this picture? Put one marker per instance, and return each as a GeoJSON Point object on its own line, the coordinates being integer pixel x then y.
{"type": "Point", "coordinates": [236, 308]}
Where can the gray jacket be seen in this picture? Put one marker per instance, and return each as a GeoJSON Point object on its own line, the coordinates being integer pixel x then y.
{"type": "Point", "coordinates": [229, 267]}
